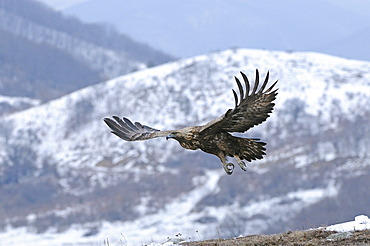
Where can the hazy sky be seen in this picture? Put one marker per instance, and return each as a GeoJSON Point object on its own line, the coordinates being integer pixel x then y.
{"type": "Point", "coordinates": [357, 6]}
{"type": "Point", "coordinates": [62, 4]}
{"type": "Point", "coordinates": [188, 28]}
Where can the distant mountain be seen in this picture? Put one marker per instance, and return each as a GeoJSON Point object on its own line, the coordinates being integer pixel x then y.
{"type": "Point", "coordinates": [11, 104]}
{"type": "Point", "coordinates": [350, 46]}
{"type": "Point", "coordinates": [44, 55]}
{"type": "Point", "coordinates": [189, 28]}
{"type": "Point", "coordinates": [62, 169]}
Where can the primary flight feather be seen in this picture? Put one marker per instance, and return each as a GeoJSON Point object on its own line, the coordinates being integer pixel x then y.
{"type": "Point", "coordinates": [251, 109]}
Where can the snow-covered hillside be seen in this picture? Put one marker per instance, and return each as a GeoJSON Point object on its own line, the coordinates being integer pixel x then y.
{"type": "Point", "coordinates": [317, 154]}
{"type": "Point", "coordinates": [106, 61]}
{"type": "Point", "coordinates": [45, 55]}
{"type": "Point", "coordinates": [193, 91]}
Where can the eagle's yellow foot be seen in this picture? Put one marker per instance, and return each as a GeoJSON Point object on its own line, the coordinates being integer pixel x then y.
{"type": "Point", "coordinates": [242, 165]}
{"type": "Point", "coordinates": [229, 168]}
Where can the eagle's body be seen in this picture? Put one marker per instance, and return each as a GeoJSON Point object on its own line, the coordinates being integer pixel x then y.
{"type": "Point", "coordinates": [214, 138]}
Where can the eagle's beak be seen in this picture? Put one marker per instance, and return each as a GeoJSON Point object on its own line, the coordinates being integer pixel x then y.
{"type": "Point", "coordinates": [171, 135]}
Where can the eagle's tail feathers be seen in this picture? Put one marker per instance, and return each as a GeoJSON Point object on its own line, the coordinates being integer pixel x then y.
{"type": "Point", "coordinates": [251, 149]}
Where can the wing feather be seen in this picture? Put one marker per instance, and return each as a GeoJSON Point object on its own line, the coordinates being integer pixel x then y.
{"type": "Point", "coordinates": [129, 124]}
{"type": "Point", "coordinates": [246, 82]}
{"type": "Point", "coordinates": [236, 98]}
{"type": "Point", "coordinates": [124, 126]}
{"type": "Point", "coordinates": [256, 82]}
{"type": "Point", "coordinates": [129, 131]}
{"type": "Point", "coordinates": [241, 91]}
{"type": "Point", "coordinates": [264, 82]}
{"type": "Point", "coordinates": [250, 109]}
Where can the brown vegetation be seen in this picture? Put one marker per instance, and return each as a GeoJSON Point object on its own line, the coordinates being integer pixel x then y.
{"type": "Point", "coordinates": [307, 237]}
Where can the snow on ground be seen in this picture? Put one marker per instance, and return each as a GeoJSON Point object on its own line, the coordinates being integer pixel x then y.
{"type": "Point", "coordinates": [149, 229]}
{"type": "Point", "coordinates": [114, 234]}
{"type": "Point", "coordinates": [361, 222]}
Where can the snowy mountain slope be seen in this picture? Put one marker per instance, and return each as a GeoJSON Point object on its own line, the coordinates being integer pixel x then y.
{"type": "Point", "coordinates": [45, 54]}
{"type": "Point", "coordinates": [179, 94]}
{"type": "Point", "coordinates": [317, 159]}
{"type": "Point", "coordinates": [108, 62]}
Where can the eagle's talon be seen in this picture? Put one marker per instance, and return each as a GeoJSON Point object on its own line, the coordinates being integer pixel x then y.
{"type": "Point", "coordinates": [229, 168]}
{"type": "Point", "coordinates": [242, 165]}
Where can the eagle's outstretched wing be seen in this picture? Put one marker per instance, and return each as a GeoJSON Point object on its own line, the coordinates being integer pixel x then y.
{"type": "Point", "coordinates": [129, 131]}
{"type": "Point", "coordinates": [250, 109]}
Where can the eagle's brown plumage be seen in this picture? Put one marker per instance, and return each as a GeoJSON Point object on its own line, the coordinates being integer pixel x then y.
{"type": "Point", "coordinates": [251, 109]}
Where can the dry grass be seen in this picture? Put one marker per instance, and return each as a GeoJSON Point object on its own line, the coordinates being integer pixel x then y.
{"type": "Point", "coordinates": [296, 238]}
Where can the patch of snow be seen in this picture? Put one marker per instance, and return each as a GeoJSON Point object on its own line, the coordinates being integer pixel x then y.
{"type": "Point", "coordinates": [115, 234]}
{"type": "Point", "coordinates": [272, 210]}
{"type": "Point", "coordinates": [361, 222]}
{"type": "Point", "coordinates": [327, 151]}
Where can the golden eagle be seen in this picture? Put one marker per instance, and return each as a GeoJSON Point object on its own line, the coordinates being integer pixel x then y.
{"type": "Point", "coordinates": [251, 109]}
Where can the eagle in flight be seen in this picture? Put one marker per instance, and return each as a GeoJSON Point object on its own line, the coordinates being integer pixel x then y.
{"type": "Point", "coordinates": [251, 109]}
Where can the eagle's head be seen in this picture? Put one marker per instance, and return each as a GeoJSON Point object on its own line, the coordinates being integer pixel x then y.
{"type": "Point", "coordinates": [180, 136]}
{"type": "Point", "coordinates": [185, 137]}
{"type": "Point", "coordinates": [172, 135]}
{"type": "Point", "coordinates": [183, 134]}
